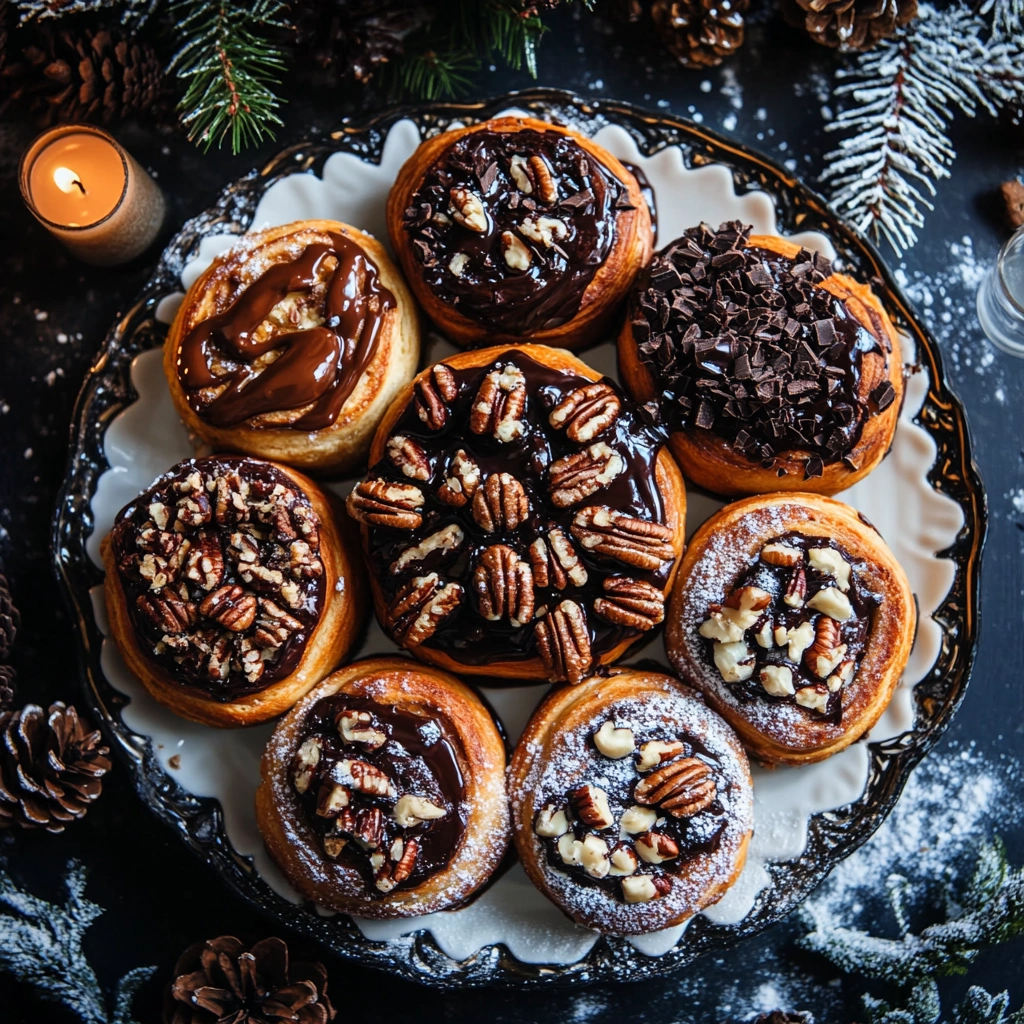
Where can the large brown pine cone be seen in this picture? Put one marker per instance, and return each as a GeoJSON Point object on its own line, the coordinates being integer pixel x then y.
{"type": "Point", "coordinates": [221, 981]}
{"type": "Point", "coordinates": [700, 33]}
{"type": "Point", "coordinates": [849, 24]}
{"type": "Point", "coordinates": [10, 620]}
{"type": "Point", "coordinates": [51, 767]}
{"type": "Point", "coordinates": [87, 76]}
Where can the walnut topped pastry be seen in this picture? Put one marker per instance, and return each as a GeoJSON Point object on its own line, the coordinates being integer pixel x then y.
{"type": "Point", "coordinates": [229, 590]}
{"type": "Point", "coordinates": [773, 372]}
{"type": "Point", "coordinates": [292, 344]}
{"type": "Point", "coordinates": [520, 516]}
{"type": "Point", "coordinates": [518, 229]}
{"type": "Point", "coordinates": [795, 620]}
{"type": "Point", "coordinates": [632, 802]}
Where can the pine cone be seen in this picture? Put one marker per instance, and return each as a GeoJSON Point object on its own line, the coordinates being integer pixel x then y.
{"type": "Point", "coordinates": [783, 1017]}
{"type": "Point", "coordinates": [221, 981]}
{"type": "Point", "coordinates": [6, 687]}
{"type": "Point", "coordinates": [50, 767]}
{"type": "Point", "coordinates": [700, 33]}
{"type": "Point", "coordinates": [849, 24]}
{"type": "Point", "coordinates": [10, 620]}
{"type": "Point", "coordinates": [94, 76]}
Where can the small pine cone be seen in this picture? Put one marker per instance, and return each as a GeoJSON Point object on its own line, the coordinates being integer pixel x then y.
{"type": "Point", "coordinates": [700, 33]}
{"type": "Point", "coordinates": [221, 980]}
{"type": "Point", "coordinates": [849, 24]}
{"type": "Point", "coordinates": [51, 767]}
{"type": "Point", "coordinates": [10, 620]}
{"type": "Point", "coordinates": [6, 687]}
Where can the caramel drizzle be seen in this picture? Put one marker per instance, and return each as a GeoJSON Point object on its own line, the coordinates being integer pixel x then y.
{"type": "Point", "coordinates": [319, 367]}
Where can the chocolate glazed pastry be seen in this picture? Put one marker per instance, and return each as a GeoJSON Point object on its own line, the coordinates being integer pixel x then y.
{"type": "Point", "coordinates": [292, 344]}
{"type": "Point", "coordinates": [772, 371]}
{"type": "Point", "coordinates": [230, 589]}
{"type": "Point", "coordinates": [632, 803]}
{"type": "Point", "coordinates": [795, 620]}
{"type": "Point", "coordinates": [382, 792]}
{"type": "Point", "coordinates": [516, 229]}
{"type": "Point", "coordinates": [521, 518]}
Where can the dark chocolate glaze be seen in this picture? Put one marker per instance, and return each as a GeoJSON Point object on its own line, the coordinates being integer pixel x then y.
{"type": "Point", "coordinates": [318, 367]}
{"type": "Point", "coordinates": [186, 656]}
{"type": "Point", "coordinates": [422, 758]}
{"type": "Point", "coordinates": [466, 635]}
{"type": "Point", "coordinates": [549, 292]}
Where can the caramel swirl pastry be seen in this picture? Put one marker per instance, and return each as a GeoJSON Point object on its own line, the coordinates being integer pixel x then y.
{"type": "Point", "coordinates": [382, 791]}
{"type": "Point", "coordinates": [632, 804]}
{"type": "Point", "coordinates": [773, 372]}
{"type": "Point", "coordinates": [516, 229]}
{"type": "Point", "coordinates": [521, 518]}
{"type": "Point", "coordinates": [291, 345]}
{"type": "Point", "coordinates": [230, 589]}
{"type": "Point", "coordinates": [794, 619]}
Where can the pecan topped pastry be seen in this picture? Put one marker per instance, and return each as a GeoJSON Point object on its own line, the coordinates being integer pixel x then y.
{"type": "Point", "coordinates": [292, 343]}
{"type": "Point", "coordinates": [516, 228]}
{"type": "Point", "coordinates": [795, 620]}
{"type": "Point", "coordinates": [772, 370]}
{"type": "Point", "coordinates": [520, 516]}
{"type": "Point", "coordinates": [632, 802]}
{"type": "Point", "coordinates": [383, 791]}
{"type": "Point", "coordinates": [230, 592]}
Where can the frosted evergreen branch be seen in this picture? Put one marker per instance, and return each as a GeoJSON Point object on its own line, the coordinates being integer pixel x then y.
{"type": "Point", "coordinates": [133, 12]}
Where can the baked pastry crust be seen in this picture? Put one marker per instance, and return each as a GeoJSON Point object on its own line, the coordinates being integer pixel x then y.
{"type": "Point", "coordinates": [712, 793]}
{"type": "Point", "coordinates": [667, 483]}
{"type": "Point", "coordinates": [723, 549]}
{"type": "Point", "coordinates": [712, 462]}
{"type": "Point", "coordinates": [603, 294]}
{"type": "Point", "coordinates": [388, 361]}
{"type": "Point", "coordinates": [339, 884]}
{"type": "Point", "coordinates": [341, 617]}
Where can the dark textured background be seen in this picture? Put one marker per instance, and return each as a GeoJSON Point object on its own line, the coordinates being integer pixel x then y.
{"type": "Point", "coordinates": [54, 313]}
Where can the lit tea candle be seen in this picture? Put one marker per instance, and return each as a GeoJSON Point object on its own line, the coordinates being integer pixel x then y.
{"type": "Point", "coordinates": [88, 192]}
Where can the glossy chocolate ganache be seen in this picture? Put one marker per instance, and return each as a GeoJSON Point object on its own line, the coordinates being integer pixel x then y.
{"type": "Point", "coordinates": [221, 570]}
{"type": "Point", "coordinates": [382, 789]}
{"type": "Point", "coordinates": [742, 342]}
{"type": "Point", "coordinates": [515, 513]}
{"type": "Point", "coordinates": [511, 227]}
{"type": "Point", "coordinates": [292, 345]}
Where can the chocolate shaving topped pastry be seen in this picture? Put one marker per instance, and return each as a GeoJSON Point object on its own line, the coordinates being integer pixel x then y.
{"type": "Point", "coordinates": [383, 791]}
{"type": "Point", "coordinates": [520, 517]}
{"type": "Point", "coordinates": [632, 802]}
{"type": "Point", "coordinates": [229, 588]}
{"type": "Point", "coordinates": [773, 371]}
{"type": "Point", "coordinates": [795, 620]}
{"type": "Point", "coordinates": [516, 228]}
{"type": "Point", "coordinates": [291, 345]}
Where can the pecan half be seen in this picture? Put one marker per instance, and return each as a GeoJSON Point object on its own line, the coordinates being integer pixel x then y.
{"type": "Point", "coordinates": [231, 606]}
{"type": "Point", "coordinates": [682, 788]}
{"type": "Point", "coordinates": [575, 477]}
{"type": "Point", "coordinates": [273, 625]}
{"type": "Point", "coordinates": [364, 777]}
{"type": "Point", "coordinates": [781, 554]}
{"type": "Point", "coordinates": [359, 727]}
{"type": "Point", "coordinates": [501, 505]}
{"type": "Point", "coordinates": [826, 652]}
{"type": "Point", "coordinates": [468, 210]}
{"type": "Point", "coordinates": [591, 805]}
{"type": "Point", "coordinates": [432, 393]}
{"type": "Point", "coordinates": [586, 412]}
{"type": "Point", "coordinates": [382, 503]}
{"type": "Point", "coordinates": [636, 542]}
{"type": "Point", "coordinates": [796, 588]}
{"type": "Point", "coordinates": [420, 606]}
{"type": "Point", "coordinates": [499, 404]}
{"type": "Point", "coordinates": [555, 561]}
{"type": "Point", "coordinates": [409, 456]}
{"type": "Point", "coordinates": [205, 562]}
{"type": "Point", "coordinates": [449, 538]}
{"type": "Point", "coordinates": [461, 480]}
{"type": "Point", "coordinates": [503, 583]}
{"type": "Point", "coordinates": [517, 255]}
{"type": "Point", "coordinates": [563, 642]}
{"type": "Point", "coordinates": [369, 826]}
{"type": "Point", "coordinates": [167, 612]}
{"type": "Point", "coordinates": [630, 603]}
{"type": "Point", "coordinates": [541, 173]}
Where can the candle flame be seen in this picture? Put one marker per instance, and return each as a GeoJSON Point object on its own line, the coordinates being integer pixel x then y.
{"type": "Point", "coordinates": [66, 180]}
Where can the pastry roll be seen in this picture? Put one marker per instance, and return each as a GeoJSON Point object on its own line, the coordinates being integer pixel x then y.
{"type": "Point", "coordinates": [521, 518]}
{"type": "Point", "coordinates": [632, 803]}
{"type": "Point", "coordinates": [773, 372]}
{"type": "Point", "coordinates": [231, 590]}
{"type": "Point", "coordinates": [515, 230]}
{"type": "Point", "coordinates": [292, 344]}
{"type": "Point", "coordinates": [794, 619]}
{"type": "Point", "coordinates": [382, 792]}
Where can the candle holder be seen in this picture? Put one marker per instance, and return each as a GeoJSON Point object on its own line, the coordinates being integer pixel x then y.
{"type": "Point", "coordinates": [1001, 297]}
{"type": "Point", "coordinates": [89, 192]}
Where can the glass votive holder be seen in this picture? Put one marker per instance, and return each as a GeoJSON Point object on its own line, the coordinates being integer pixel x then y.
{"type": "Point", "coordinates": [1001, 297]}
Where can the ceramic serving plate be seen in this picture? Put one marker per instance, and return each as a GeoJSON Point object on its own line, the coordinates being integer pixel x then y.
{"type": "Point", "coordinates": [925, 498]}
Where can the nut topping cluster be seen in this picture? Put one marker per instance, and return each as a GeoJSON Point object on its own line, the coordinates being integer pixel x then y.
{"type": "Point", "coordinates": [492, 520]}
{"type": "Point", "coordinates": [795, 627]}
{"type": "Point", "coordinates": [220, 562]}
{"type": "Point", "coordinates": [629, 841]}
